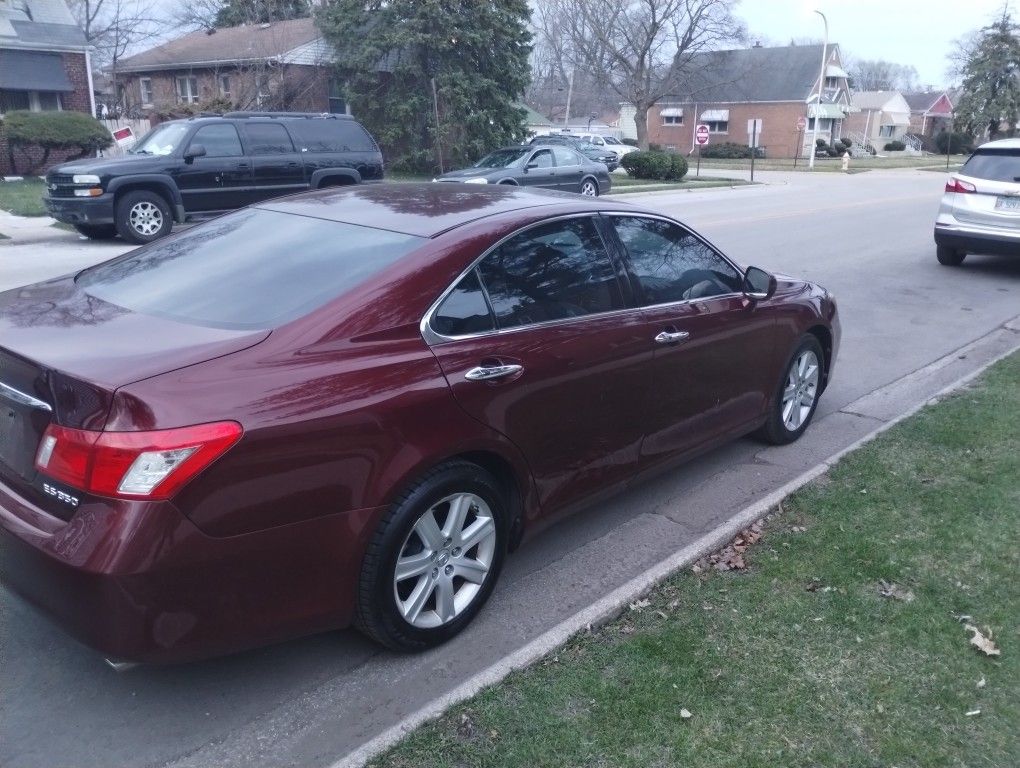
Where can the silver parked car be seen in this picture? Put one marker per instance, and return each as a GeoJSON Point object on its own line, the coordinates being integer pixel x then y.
{"type": "Point", "coordinates": [980, 211]}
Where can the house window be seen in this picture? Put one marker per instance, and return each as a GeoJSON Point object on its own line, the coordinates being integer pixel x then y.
{"type": "Point", "coordinates": [824, 124]}
{"type": "Point", "coordinates": [718, 126]}
{"type": "Point", "coordinates": [832, 82]}
{"type": "Point", "coordinates": [145, 86]}
{"type": "Point", "coordinates": [887, 131]}
{"type": "Point", "coordinates": [224, 81]}
{"type": "Point", "coordinates": [671, 147]}
{"type": "Point", "coordinates": [261, 89]}
{"type": "Point", "coordinates": [672, 119]}
{"type": "Point", "coordinates": [337, 102]}
{"type": "Point", "coordinates": [47, 101]}
{"type": "Point", "coordinates": [187, 90]}
{"type": "Point", "coordinates": [11, 100]}
{"type": "Point", "coordinates": [36, 101]}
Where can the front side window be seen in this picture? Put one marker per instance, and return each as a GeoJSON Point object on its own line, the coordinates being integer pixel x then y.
{"type": "Point", "coordinates": [218, 140]}
{"type": "Point", "coordinates": [671, 264]}
{"type": "Point", "coordinates": [553, 271]}
{"type": "Point", "coordinates": [464, 311]}
{"type": "Point", "coordinates": [541, 159]}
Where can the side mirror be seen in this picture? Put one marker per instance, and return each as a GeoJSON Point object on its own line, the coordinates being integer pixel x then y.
{"type": "Point", "coordinates": [531, 164]}
{"type": "Point", "coordinates": [195, 150]}
{"type": "Point", "coordinates": [758, 284]}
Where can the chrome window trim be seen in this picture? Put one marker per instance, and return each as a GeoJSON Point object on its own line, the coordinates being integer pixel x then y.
{"type": "Point", "coordinates": [17, 396]}
{"type": "Point", "coordinates": [433, 338]}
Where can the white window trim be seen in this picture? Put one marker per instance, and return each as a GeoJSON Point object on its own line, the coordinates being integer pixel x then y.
{"type": "Point", "coordinates": [186, 95]}
{"type": "Point", "coordinates": [227, 92]}
{"type": "Point", "coordinates": [672, 120]}
{"type": "Point", "coordinates": [142, 89]}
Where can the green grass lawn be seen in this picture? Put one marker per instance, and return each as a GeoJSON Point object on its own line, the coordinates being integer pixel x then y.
{"type": "Point", "coordinates": [623, 183]}
{"type": "Point", "coordinates": [831, 164]}
{"type": "Point", "coordinates": [23, 198]}
{"type": "Point", "coordinates": [800, 660]}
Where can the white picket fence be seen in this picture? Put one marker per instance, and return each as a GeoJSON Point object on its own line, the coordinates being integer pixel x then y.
{"type": "Point", "coordinates": [138, 128]}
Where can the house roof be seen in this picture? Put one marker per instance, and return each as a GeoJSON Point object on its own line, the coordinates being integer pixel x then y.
{"type": "Point", "coordinates": [40, 25]}
{"type": "Point", "coordinates": [873, 99]}
{"type": "Point", "coordinates": [922, 101]}
{"type": "Point", "coordinates": [532, 117]}
{"type": "Point", "coordinates": [225, 45]}
{"type": "Point", "coordinates": [788, 73]}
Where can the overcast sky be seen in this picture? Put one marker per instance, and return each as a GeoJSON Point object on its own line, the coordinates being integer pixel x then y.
{"type": "Point", "coordinates": [915, 32]}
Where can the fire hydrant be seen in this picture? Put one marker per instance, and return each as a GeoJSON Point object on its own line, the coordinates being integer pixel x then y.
{"type": "Point", "coordinates": [846, 161]}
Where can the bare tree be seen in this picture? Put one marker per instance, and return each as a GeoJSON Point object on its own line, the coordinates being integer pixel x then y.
{"type": "Point", "coordinates": [881, 75]}
{"type": "Point", "coordinates": [642, 50]}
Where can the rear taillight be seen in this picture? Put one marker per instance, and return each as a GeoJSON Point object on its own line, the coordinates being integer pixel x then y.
{"type": "Point", "coordinates": [133, 465]}
{"type": "Point", "coordinates": [955, 185]}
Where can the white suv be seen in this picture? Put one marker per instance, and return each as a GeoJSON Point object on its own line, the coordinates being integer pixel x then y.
{"type": "Point", "coordinates": [980, 210]}
{"type": "Point", "coordinates": [609, 143]}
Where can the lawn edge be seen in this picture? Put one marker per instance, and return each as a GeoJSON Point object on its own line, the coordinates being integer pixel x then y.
{"type": "Point", "coordinates": [613, 604]}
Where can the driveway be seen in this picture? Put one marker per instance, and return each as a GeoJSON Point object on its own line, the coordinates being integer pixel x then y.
{"type": "Point", "coordinates": [867, 237]}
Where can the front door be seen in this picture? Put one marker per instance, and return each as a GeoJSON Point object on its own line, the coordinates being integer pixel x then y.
{"type": "Point", "coordinates": [539, 170]}
{"type": "Point", "coordinates": [548, 356]}
{"type": "Point", "coordinates": [711, 374]}
{"type": "Point", "coordinates": [277, 168]}
{"type": "Point", "coordinates": [220, 179]}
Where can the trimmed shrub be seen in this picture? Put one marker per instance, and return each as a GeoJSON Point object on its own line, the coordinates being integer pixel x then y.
{"type": "Point", "coordinates": [846, 142]}
{"type": "Point", "coordinates": [655, 148]}
{"type": "Point", "coordinates": [821, 143]}
{"type": "Point", "coordinates": [55, 130]}
{"type": "Point", "coordinates": [956, 143]}
{"type": "Point", "coordinates": [727, 150]}
{"type": "Point", "coordinates": [661, 166]}
{"type": "Point", "coordinates": [895, 146]}
{"type": "Point", "coordinates": [629, 142]}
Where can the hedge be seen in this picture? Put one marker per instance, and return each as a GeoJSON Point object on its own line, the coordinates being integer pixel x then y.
{"type": "Point", "coordinates": [729, 150]}
{"type": "Point", "coordinates": [957, 143]}
{"type": "Point", "coordinates": [55, 130]}
{"type": "Point", "coordinates": [895, 146]}
{"type": "Point", "coordinates": [662, 166]}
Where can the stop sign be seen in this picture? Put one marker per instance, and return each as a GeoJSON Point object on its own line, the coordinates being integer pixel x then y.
{"type": "Point", "coordinates": [701, 135]}
{"type": "Point", "coordinates": [801, 123]}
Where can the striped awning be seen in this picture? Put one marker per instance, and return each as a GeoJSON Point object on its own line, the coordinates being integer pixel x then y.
{"type": "Point", "coordinates": [671, 112]}
{"type": "Point", "coordinates": [826, 111]}
{"type": "Point", "coordinates": [716, 115]}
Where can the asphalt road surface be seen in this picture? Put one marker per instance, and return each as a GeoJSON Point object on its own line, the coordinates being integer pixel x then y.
{"type": "Point", "coordinates": [866, 237]}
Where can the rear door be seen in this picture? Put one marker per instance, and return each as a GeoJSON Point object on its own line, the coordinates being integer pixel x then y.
{"type": "Point", "coordinates": [536, 342]}
{"type": "Point", "coordinates": [711, 373]}
{"type": "Point", "coordinates": [276, 166]}
{"type": "Point", "coordinates": [995, 175]}
{"type": "Point", "coordinates": [568, 169]}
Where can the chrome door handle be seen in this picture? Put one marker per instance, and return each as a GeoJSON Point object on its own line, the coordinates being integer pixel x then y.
{"type": "Point", "coordinates": [488, 372]}
{"type": "Point", "coordinates": [671, 337]}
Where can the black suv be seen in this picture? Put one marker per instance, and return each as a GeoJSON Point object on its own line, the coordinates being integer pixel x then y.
{"type": "Point", "coordinates": [204, 165]}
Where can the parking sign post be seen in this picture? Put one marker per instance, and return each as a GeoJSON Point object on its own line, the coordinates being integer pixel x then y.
{"type": "Point", "coordinates": [801, 125]}
{"type": "Point", "coordinates": [701, 139]}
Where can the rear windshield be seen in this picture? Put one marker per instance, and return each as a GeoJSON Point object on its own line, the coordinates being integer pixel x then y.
{"type": "Point", "coordinates": [328, 135]}
{"type": "Point", "coordinates": [249, 269]}
{"type": "Point", "coordinates": [994, 165]}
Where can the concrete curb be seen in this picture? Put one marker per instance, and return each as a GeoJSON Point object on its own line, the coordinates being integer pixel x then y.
{"type": "Point", "coordinates": [617, 601]}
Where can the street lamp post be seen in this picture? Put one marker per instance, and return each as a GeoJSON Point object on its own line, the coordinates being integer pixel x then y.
{"type": "Point", "coordinates": [821, 84]}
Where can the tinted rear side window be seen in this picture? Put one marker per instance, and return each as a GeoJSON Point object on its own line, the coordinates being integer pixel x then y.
{"type": "Point", "coordinates": [248, 269]}
{"type": "Point", "coordinates": [267, 139]}
{"type": "Point", "coordinates": [331, 136]}
{"type": "Point", "coordinates": [994, 166]}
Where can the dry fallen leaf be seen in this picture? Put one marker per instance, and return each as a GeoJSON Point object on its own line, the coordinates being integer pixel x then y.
{"type": "Point", "coordinates": [895, 591]}
{"type": "Point", "coordinates": [637, 605]}
{"type": "Point", "coordinates": [981, 682]}
{"type": "Point", "coordinates": [686, 714]}
{"type": "Point", "coordinates": [981, 642]}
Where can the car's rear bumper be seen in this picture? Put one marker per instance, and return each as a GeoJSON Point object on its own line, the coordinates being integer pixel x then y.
{"type": "Point", "coordinates": [81, 210]}
{"type": "Point", "coordinates": [968, 238]}
{"type": "Point", "coordinates": [139, 582]}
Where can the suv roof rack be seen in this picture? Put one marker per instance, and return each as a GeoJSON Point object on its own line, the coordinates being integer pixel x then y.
{"type": "Point", "coordinates": [307, 115]}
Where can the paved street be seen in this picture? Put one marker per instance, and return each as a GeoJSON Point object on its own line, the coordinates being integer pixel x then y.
{"type": "Point", "coordinates": [867, 237]}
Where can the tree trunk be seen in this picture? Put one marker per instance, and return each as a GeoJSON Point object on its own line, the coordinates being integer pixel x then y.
{"type": "Point", "coordinates": [641, 124]}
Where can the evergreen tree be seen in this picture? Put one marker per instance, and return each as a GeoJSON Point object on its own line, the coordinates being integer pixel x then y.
{"type": "Point", "coordinates": [236, 12]}
{"type": "Point", "coordinates": [390, 54]}
{"type": "Point", "coordinates": [991, 88]}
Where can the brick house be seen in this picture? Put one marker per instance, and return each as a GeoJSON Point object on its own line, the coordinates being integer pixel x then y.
{"type": "Point", "coordinates": [44, 65]}
{"type": "Point", "coordinates": [277, 66]}
{"type": "Point", "coordinates": [884, 116]}
{"type": "Point", "coordinates": [931, 112]}
{"type": "Point", "coordinates": [774, 85]}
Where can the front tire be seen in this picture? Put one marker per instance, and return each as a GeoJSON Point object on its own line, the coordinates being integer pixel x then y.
{"type": "Point", "coordinates": [434, 560]}
{"type": "Point", "coordinates": [949, 257]}
{"type": "Point", "coordinates": [143, 216]}
{"type": "Point", "coordinates": [796, 398]}
{"type": "Point", "coordinates": [590, 188]}
{"type": "Point", "coordinates": [97, 231]}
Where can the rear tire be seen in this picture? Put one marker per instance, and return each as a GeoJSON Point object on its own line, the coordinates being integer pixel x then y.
{"type": "Point", "coordinates": [97, 231]}
{"type": "Point", "coordinates": [428, 570]}
{"type": "Point", "coordinates": [590, 188]}
{"type": "Point", "coordinates": [796, 397]}
{"type": "Point", "coordinates": [143, 216]}
{"type": "Point", "coordinates": [949, 257]}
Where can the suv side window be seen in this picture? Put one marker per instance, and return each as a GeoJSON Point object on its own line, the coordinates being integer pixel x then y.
{"type": "Point", "coordinates": [464, 311]}
{"type": "Point", "coordinates": [550, 272]}
{"type": "Point", "coordinates": [267, 139]}
{"type": "Point", "coordinates": [565, 156]}
{"type": "Point", "coordinates": [331, 135]}
{"type": "Point", "coordinates": [219, 140]}
{"type": "Point", "coordinates": [672, 264]}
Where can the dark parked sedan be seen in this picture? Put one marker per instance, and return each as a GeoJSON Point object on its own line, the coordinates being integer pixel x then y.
{"type": "Point", "coordinates": [547, 166]}
{"type": "Point", "coordinates": [347, 406]}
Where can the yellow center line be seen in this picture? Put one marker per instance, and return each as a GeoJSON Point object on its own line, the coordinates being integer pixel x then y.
{"type": "Point", "coordinates": [825, 209]}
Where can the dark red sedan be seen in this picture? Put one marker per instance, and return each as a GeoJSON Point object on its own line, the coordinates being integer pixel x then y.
{"type": "Point", "coordinates": [347, 406]}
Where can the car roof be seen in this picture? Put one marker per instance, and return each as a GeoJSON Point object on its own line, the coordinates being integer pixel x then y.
{"type": "Point", "coordinates": [427, 209]}
{"type": "Point", "coordinates": [1000, 144]}
{"type": "Point", "coordinates": [207, 117]}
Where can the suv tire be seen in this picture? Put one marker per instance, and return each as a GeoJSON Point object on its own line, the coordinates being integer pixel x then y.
{"type": "Point", "coordinates": [97, 231]}
{"type": "Point", "coordinates": [948, 256]}
{"type": "Point", "coordinates": [143, 216]}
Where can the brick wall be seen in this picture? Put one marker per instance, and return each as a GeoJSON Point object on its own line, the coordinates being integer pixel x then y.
{"type": "Point", "coordinates": [779, 134]}
{"type": "Point", "coordinates": [76, 101]}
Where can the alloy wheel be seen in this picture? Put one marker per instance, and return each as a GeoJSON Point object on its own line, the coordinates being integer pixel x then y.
{"type": "Point", "coordinates": [145, 218]}
{"type": "Point", "coordinates": [801, 390]}
{"type": "Point", "coordinates": [444, 560]}
{"type": "Point", "coordinates": [588, 189]}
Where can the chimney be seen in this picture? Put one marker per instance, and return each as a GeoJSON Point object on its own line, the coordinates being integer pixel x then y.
{"type": "Point", "coordinates": [757, 44]}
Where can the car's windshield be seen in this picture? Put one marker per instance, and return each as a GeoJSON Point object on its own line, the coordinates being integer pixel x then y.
{"type": "Point", "coordinates": [610, 140]}
{"type": "Point", "coordinates": [503, 158]}
{"type": "Point", "coordinates": [162, 140]}
{"type": "Point", "coordinates": [994, 165]}
{"type": "Point", "coordinates": [249, 269]}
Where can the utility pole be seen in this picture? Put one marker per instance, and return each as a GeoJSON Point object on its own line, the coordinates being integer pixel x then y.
{"type": "Point", "coordinates": [570, 93]}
